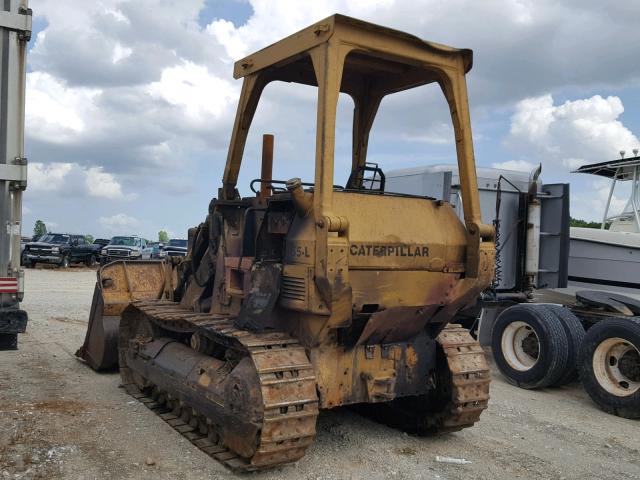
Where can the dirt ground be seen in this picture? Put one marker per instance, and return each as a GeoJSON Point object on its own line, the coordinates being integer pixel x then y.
{"type": "Point", "coordinates": [59, 419]}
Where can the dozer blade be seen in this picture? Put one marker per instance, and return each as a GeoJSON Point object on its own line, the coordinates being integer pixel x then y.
{"type": "Point", "coordinates": [119, 283]}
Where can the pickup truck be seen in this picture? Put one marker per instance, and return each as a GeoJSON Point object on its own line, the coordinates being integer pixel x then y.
{"type": "Point", "coordinates": [125, 248]}
{"type": "Point", "coordinates": [61, 249]}
{"type": "Point", "coordinates": [176, 247]}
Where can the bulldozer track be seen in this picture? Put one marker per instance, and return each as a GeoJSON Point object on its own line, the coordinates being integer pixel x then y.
{"type": "Point", "coordinates": [287, 385]}
{"type": "Point", "coordinates": [470, 379]}
{"type": "Point", "coordinates": [461, 391]}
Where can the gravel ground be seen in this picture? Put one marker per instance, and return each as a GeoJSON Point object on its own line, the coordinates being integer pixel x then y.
{"type": "Point", "coordinates": [59, 419]}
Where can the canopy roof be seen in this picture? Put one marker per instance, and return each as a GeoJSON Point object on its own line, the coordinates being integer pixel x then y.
{"type": "Point", "coordinates": [389, 59]}
{"type": "Point", "coordinates": [621, 169]}
{"type": "Point", "coordinates": [367, 62]}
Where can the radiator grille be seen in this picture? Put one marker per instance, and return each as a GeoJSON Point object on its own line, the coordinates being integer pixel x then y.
{"type": "Point", "coordinates": [40, 250]}
{"type": "Point", "coordinates": [118, 252]}
{"type": "Point", "coordinates": [293, 288]}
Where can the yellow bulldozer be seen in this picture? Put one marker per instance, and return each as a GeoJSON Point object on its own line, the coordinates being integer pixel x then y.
{"type": "Point", "coordinates": [309, 295]}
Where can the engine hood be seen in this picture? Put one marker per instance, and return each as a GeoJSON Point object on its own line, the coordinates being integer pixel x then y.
{"type": "Point", "coordinates": [45, 244]}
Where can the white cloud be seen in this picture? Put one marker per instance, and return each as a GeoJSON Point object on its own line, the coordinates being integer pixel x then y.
{"type": "Point", "coordinates": [568, 135]}
{"type": "Point", "coordinates": [532, 118]}
{"type": "Point", "coordinates": [365, 7]}
{"type": "Point", "coordinates": [118, 16]}
{"type": "Point", "coordinates": [56, 177]}
{"type": "Point", "coordinates": [201, 95]}
{"type": "Point", "coordinates": [519, 165]}
{"type": "Point", "coordinates": [225, 32]}
{"type": "Point", "coordinates": [119, 221]}
{"type": "Point", "coordinates": [437, 134]}
{"type": "Point", "coordinates": [102, 184]}
{"type": "Point", "coordinates": [564, 137]}
{"type": "Point", "coordinates": [54, 112]}
{"type": "Point", "coordinates": [120, 53]}
{"type": "Point", "coordinates": [47, 178]}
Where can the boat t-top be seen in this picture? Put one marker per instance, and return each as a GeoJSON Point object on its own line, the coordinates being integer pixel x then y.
{"type": "Point", "coordinates": [610, 255]}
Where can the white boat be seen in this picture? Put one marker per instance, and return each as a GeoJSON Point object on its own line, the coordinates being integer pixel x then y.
{"type": "Point", "coordinates": [610, 258]}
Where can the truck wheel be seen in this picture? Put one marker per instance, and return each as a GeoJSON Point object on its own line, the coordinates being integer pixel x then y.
{"type": "Point", "coordinates": [64, 263]}
{"type": "Point", "coordinates": [8, 341]}
{"type": "Point", "coordinates": [610, 365]}
{"type": "Point", "coordinates": [530, 346]}
{"type": "Point", "coordinates": [575, 335]}
{"type": "Point", "coordinates": [92, 261]}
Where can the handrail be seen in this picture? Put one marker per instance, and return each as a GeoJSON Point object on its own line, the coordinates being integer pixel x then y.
{"type": "Point", "coordinates": [606, 208]}
{"type": "Point", "coordinates": [634, 194]}
{"type": "Point", "coordinates": [283, 182]}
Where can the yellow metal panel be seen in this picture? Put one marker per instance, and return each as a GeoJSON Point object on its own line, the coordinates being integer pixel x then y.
{"type": "Point", "coordinates": [400, 288]}
{"type": "Point", "coordinates": [384, 235]}
{"type": "Point", "coordinates": [123, 282]}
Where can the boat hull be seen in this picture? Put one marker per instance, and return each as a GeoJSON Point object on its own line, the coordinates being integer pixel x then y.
{"type": "Point", "coordinates": [605, 258]}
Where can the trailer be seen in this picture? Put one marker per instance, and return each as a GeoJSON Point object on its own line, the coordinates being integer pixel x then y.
{"type": "Point", "coordinates": [542, 332]}
{"type": "Point", "coordinates": [15, 32]}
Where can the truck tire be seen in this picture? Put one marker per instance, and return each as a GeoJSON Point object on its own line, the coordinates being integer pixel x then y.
{"type": "Point", "coordinates": [64, 263]}
{"type": "Point", "coordinates": [91, 261]}
{"type": "Point", "coordinates": [530, 346]}
{"type": "Point", "coordinates": [8, 341]}
{"type": "Point", "coordinates": [610, 365]}
{"type": "Point", "coordinates": [574, 330]}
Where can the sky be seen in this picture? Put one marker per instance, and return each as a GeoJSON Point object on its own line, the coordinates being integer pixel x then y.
{"type": "Point", "coordinates": [130, 103]}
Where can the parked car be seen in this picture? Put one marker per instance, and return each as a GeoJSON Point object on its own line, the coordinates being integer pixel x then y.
{"type": "Point", "coordinates": [23, 243]}
{"type": "Point", "coordinates": [176, 247]}
{"type": "Point", "coordinates": [103, 242]}
{"type": "Point", "coordinates": [60, 249]}
{"type": "Point", "coordinates": [129, 247]}
{"type": "Point", "coordinates": [157, 249]}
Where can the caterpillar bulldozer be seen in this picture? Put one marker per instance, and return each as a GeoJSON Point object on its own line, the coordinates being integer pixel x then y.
{"type": "Point", "coordinates": [309, 295]}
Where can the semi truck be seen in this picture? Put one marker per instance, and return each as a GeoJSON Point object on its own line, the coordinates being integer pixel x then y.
{"type": "Point", "coordinates": [15, 32]}
{"type": "Point", "coordinates": [542, 331]}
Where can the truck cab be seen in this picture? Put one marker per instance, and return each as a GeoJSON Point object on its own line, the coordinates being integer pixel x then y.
{"type": "Point", "coordinates": [60, 249]}
{"type": "Point", "coordinates": [129, 247]}
{"type": "Point", "coordinates": [175, 247]}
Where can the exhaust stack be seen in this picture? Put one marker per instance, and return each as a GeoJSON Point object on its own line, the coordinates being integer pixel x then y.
{"type": "Point", "coordinates": [266, 175]}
